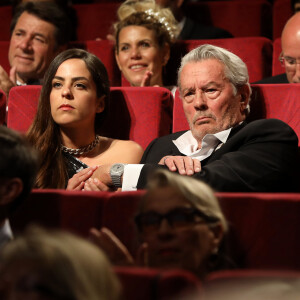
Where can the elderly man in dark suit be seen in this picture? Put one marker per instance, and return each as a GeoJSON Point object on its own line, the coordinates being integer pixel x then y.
{"type": "Point", "coordinates": [220, 148]}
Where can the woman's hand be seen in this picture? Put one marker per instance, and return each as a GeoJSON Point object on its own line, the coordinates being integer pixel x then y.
{"type": "Point", "coordinates": [94, 184]}
{"type": "Point", "coordinates": [146, 78]}
{"type": "Point", "coordinates": [112, 246]}
{"type": "Point", "coordinates": [185, 165]}
{"type": "Point", "coordinates": [77, 182]}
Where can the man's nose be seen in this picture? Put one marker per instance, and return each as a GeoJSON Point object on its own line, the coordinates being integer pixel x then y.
{"type": "Point", "coordinates": [26, 43]}
{"type": "Point", "coordinates": [200, 101]}
{"type": "Point", "coordinates": [165, 229]}
{"type": "Point", "coordinates": [296, 78]}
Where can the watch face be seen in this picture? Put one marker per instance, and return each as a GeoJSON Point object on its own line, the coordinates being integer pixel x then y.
{"type": "Point", "coordinates": [118, 168]}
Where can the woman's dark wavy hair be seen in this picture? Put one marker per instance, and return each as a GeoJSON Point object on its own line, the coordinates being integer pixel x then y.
{"type": "Point", "coordinates": [44, 133]}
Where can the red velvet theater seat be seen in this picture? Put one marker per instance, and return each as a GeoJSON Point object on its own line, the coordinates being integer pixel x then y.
{"type": "Point", "coordinates": [139, 114]}
{"type": "Point", "coordinates": [282, 11]}
{"type": "Point", "coordinates": [265, 229]}
{"type": "Point", "coordinates": [74, 211]}
{"type": "Point", "coordinates": [104, 49]}
{"type": "Point", "coordinates": [95, 19]}
{"type": "Point", "coordinates": [279, 101]}
{"type": "Point", "coordinates": [5, 17]}
{"type": "Point", "coordinates": [4, 46]}
{"type": "Point", "coordinates": [150, 284]}
{"type": "Point", "coordinates": [240, 18]}
{"type": "Point", "coordinates": [22, 106]}
{"type": "Point", "coordinates": [256, 52]}
{"type": "Point", "coordinates": [252, 284]}
{"type": "Point", "coordinates": [2, 107]}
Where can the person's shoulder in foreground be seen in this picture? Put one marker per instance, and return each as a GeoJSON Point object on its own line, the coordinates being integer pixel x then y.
{"type": "Point", "coordinates": [261, 156]}
{"type": "Point", "coordinates": [281, 78]}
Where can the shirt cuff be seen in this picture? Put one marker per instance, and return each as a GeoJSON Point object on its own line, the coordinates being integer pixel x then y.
{"type": "Point", "coordinates": [131, 176]}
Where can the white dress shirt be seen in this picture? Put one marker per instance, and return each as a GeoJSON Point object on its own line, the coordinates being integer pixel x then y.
{"type": "Point", "coordinates": [188, 146]}
{"type": "Point", "coordinates": [6, 234]}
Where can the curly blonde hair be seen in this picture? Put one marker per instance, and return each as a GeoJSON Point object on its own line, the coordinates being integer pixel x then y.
{"type": "Point", "coordinates": [148, 14]}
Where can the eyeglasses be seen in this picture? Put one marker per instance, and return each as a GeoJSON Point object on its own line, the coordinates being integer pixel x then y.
{"type": "Point", "coordinates": [177, 218]}
{"type": "Point", "coordinates": [288, 62]}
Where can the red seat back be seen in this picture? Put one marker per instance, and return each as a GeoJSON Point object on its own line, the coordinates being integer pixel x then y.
{"type": "Point", "coordinates": [5, 17]}
{"type": "Point", "coordinates": [240, 18]}
{"type": "Point", "coordinates": [264, 229]}
{"type": "Point", "coordinates": [279, 101]}
{"type": "Point", "coordinates": [282, 11]}
{"type": "Point", "coordinates": [139, 114]}
{"type": "Point", "coordinates": [22, 106]}
{"type": "Point", "coordinates": [256, 52]}
{"type": "Point", "coordinates": [4, 46]}
{"type": "Point", "coordinates": [74, 211]}
{"type": "Point", "coordinates": [95, 19]}
{"type": "Point", "coordinates": [104, 49]}
{"type": "Point", "coordinates": [148, 284]}
{"type": "Point", "coordinates": [2, 107]}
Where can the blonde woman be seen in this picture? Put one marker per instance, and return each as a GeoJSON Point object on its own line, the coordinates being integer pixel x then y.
{"type": "Point", "coordinates": [143, 36]}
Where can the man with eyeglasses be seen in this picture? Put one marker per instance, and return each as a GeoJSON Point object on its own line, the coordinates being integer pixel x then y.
{"type": "Point", "coordinates": [180, 225]}
{"type": "Point", "coordinates": [290, 55]}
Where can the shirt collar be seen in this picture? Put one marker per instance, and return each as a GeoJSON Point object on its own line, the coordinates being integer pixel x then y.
{"type": "Point", "coordinates": [5, 233]}
{"type": "Point", "coordinates": [188, 145]}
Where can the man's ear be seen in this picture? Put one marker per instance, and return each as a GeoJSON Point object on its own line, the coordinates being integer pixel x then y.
{"type": "Point", "coordinates": [244, 92]}
{"type": "Point", "coordinates": [101, 104]}
{"type": "Point", "coordinates": [166, 54]}
{"type": "Point", "coordinates": [10, 189]}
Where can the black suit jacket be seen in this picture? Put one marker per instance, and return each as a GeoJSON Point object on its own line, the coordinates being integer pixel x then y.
{"type": "Point", "coordinates": [193, 30]}
{"type": "Point", "coordinates": [281, 78]}
{"type": "Point", "coordinates": [261, 156]}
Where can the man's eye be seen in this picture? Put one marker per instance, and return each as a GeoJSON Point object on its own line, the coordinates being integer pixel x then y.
{"type": "Point", "coordinates": [40, 40]}
{"type": "Point", "coordinates": [290, 61]}
{"type": "Point", "coordinates": [210, 91]}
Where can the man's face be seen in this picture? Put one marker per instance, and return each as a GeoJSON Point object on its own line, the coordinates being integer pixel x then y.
{"type": "Point", "coordinates": [291, 54]}
{"type": "Point", "coordinates": [32, 47]}
{"type": "Point", "coordinates": [209, 102]}
{"type": "Point", "coordinates": [186, 245]}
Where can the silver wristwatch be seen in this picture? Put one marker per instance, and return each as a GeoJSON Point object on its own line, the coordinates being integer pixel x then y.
{"type": "Point", "coordinates": [116, 172]}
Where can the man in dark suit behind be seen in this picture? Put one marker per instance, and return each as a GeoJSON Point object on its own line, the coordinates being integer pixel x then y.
{"type": "Point", "coordinates": [220, 148]}
{"type": "Point", "coordinates": [189, 28]}
{"type": "Point", "coordinates": [290, 55]}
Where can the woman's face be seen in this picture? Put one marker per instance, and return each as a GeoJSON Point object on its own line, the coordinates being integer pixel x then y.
{"type": "Point", "coordinates": [138, 51]}
{"type": "Point", "coordinates": [184, 245]}
{"type": "Point", "coordinates": [73, 97]}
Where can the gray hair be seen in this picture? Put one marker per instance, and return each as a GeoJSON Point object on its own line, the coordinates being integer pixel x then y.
{"type": "Point", "coordinates": [199, 194]}
{"type": "Point", "coordinates": [235, 69]}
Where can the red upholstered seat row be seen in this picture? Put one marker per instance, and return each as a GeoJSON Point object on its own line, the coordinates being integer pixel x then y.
{"type": "Point", "coordinates": [142, 114]}
{"type": "Point", "coordinates": [241, 18]}
{"type": "Point", "coordinates": [264, 227]}
{"type": "Point", "coordinates": [255, 51]}
{"type": "Point", "coordinates": [139, 114]}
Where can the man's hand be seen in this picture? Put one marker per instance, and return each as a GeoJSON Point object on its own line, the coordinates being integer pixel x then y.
{"type": "Point", "coordinates": [77, 182]}
{"type": "Point", "coordinates": [7, 82]}
{"type": "Point", "coordinates": [112, 246]}
{"type": "Point", "coordinates": [185, 165]}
